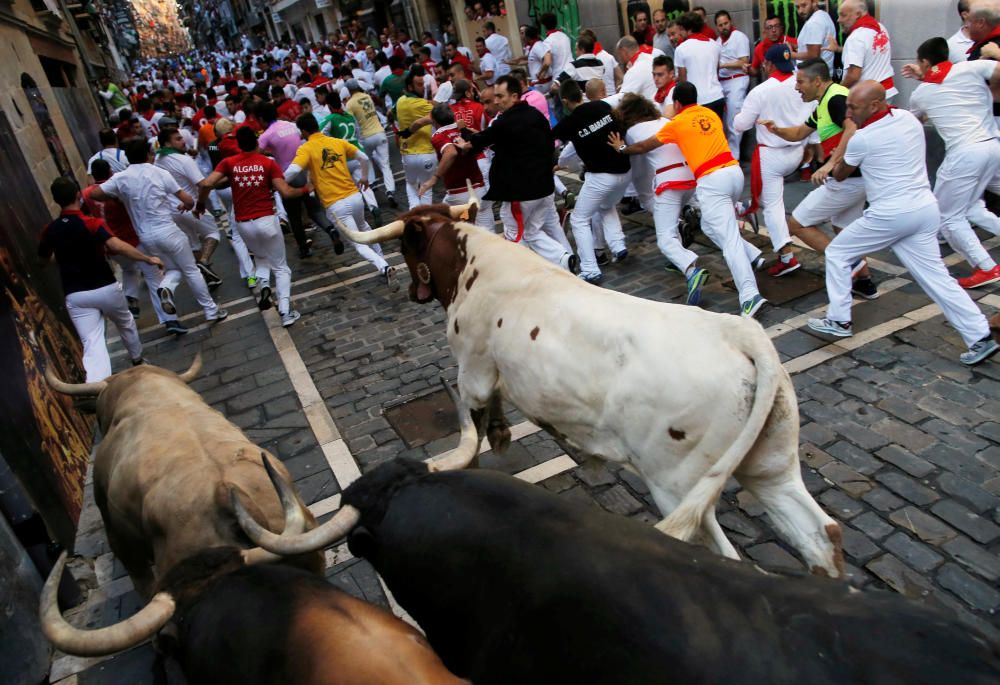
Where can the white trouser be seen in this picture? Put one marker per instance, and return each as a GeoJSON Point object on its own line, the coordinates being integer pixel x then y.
{"type": "Point", "coordinates": [87, 309]}
{"type": "Point", "coordinates": [279, 207]}
{"type": "Point", "coordinates": [913, 237]}
{"type": "Point", "coordinates": [717, 194]}
{"type": "Point", "coordinates": [417, 169]}
{"type": "Point", "coordinates": [153, 277]}
{"type": "Point", "coordinates": [642, 180]}
{"type": "Point", "coordinates": [775, 164]}
{"type": "Point", "coordinates": [666, 214]}
{"type": "Point", "coordinates": [130, 275]}
{"type": "Point", "coordinates": [242, 255]}
{"type": "Point", "coordinates": [839, 202]}
{"type": "Point", "coordinates": [535, 221]}
{"type": "Point", "coordinates": [172, 247]}
{"type": "Point", "coordinates": [484, 169]}
{"type": "Point", "coordinates": [263, 236]}
{"type": "Point", "coordinates": [558, 185]}
{"type": "Point", "coordinates": [368, 195]}
{"type": "Point", "coordinates": [377, 147]}
{"type": "Point", "coordinates": [197, 229]}
{"type": "Point", "coordinates": [984, 218]}
{"type": "Point", "coordinates": [735, 92]}
{"type": "Point", "coordinates": [598, 196]}
{"type": "Point", "coordinates": [961, 181]}
{"type": "Point", "coordinates": [484, 219]}
{"type": "Point", "coordinates": [351, 211]}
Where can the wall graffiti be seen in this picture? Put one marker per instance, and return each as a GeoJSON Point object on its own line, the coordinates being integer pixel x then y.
{"type": "Point", "coordinates": [785, 9]}
{"type": "Point", "coordinates": [567, 13]}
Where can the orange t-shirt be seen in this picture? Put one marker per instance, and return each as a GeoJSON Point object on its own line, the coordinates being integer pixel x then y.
{"type": "Point", "coordinates": [206, 134]}
{"type": "Point", "coordinates": [698, 132]}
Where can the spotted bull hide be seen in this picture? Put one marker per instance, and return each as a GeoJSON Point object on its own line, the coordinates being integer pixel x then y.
{"type": "Point", "coordinates": [682, 396]}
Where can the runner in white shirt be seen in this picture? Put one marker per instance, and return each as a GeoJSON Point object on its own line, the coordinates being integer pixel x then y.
{"type": "Point", "coordinates": [150, 196]}
{"type": "Point", "coordinates": [734, 61]}
{"type": "Point", "coordinates": [498, 46]}
{"type": "Point", "coordinates": [890, 149]}
{"type": "Point", "coordinates": [559, 44]}
{"type": "Point", "coordinates": [816, 33]}
{"type": "Point", "coordinates": [775, 100]}
{"type": "Point", "coordinates": [488, 66]}
{"type": "Point", "coordinates": [539, 61]}
{"type": "Point", "coordinates": [958, 101]}
{"type": "Point", "coordinates": [696, 59]}
{"type": "Point", "coordinates": [202, 232]}
{"type": "Point", "coordinates": [961, 42]}
{"type": "Point", "coordinates": [109, 152]}
{"type": "Point", "coordinates": [638, 77]}
{"type": "Point", "coordinates": [867, 52]}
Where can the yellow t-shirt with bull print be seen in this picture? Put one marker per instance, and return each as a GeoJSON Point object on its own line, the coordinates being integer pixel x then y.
{"type": "Point", "coordinates": [325, 159]}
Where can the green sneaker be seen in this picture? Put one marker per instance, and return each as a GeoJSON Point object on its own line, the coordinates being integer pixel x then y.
{"type": "Point", "coordinates": [252, 282]}
{"type": "Point", "coordinates": [752, 306]}
{"type": "Point", "coordinates": [694, 283]}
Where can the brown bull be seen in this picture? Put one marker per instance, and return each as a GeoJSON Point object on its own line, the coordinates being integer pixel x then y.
{"type": "Point", "coordinates": [162, 476]}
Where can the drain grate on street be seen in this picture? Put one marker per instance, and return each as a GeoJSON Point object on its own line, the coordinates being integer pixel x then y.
{"type": "Point", "coordinates": [424, 419]}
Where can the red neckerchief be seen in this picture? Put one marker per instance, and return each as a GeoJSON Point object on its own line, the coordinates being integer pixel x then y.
{"type": "Point", "coordinates": [397, 72]}
{"type": "Point", "coordinates": [867, 21]}
{"type": "Point", "coordinates": [643, 49]}
{"type": "Point", "coordinates": [698, 36]}
{"type": "Point", "coordinates": [431, 42]}
{"type": "Point", "coordinates": [597, 47]}
{"type": "Point", "coordinates": [875, 117]}
{"type": "Point", "coordinates": [780, 75]}
{"type": "Point", "coordinates": [938, 72]}
{"type": "Point", "coordinates": [549, 33]}
{"type": "Point", "coordinates": [995, 33]}
{"type": "Point", "coordinates": [661, 93]}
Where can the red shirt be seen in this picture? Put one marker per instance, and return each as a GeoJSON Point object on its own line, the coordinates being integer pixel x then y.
{"type": "Point", "coordinates": [228, 145]}
{"type": "Point", "coordinates": [466, 64]}
{"type": "Point", "coordinates": [251, 123]}
{"type": "Point", "coordinates": [470, 112]}
{"type": "Point", "coordinates": [708, 32]}
{"type": "Point", "coordinates": [250, 175]}
{"type": "Point", "coordinates": [462, 167]}
{"type": "Point", "coordinates": [114, 215]}
{"type": "Point", "coordinates": [762, 47]}
{"type": "Point", "coordinates": [289, 110]}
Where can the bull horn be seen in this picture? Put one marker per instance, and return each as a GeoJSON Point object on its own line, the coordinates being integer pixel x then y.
{"type": "Point", "coordinates": [469, 210]}
{"type": "Point", "coordinates": [295, 520]}
{"type": "Point", "coordinates": [193, 370]}
{"type": "Point", "coordinates": [468, 443]}
{"type": "Point", "coordinates": [74, 389]}
{"type": "Point", "coordinates": [102, 641]}
{"type": "Point", "coordinates": [376, 235]}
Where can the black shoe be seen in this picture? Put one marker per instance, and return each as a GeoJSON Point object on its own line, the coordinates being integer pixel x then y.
{"type": "Point", "coordinates": [690, 224]}
{"type": "Point", "coordinates": [392, 201]}
{"type": "Point", "coordinates": [602, 258]}
{"type": "Point", "coordinates": [631, 206]}
{"type": "Point", "coordinates": [139, 362]}
{"type": "Point", "coordinates": [574, 264]}
{"type": "Point", "coordinates": [174, 326]}
{"type": "Point", "coordinates": [133, 305]}
{"type": "Point", "coordinates": [305, 250]}
{"type": "Point", "coordinates": [338, 244]}
{"type": "Point", "coordinates": [285, 228]}
{"type": "Point", "coordinates": [212, 279]}
{"type": "Point", "coordinates": [865, 287]}
{"type": "Point", "coordinates": [264, 302]}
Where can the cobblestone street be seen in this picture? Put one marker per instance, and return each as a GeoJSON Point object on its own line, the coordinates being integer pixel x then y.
{"type": "Point", "coordinates": [899, 441]}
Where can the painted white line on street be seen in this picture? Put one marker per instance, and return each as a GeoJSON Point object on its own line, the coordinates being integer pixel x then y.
{"type": "Point", "coordinates": [338, 456]}
{"type": "Point", "coordinates": [991, 300]}
{"type": "Point", "coordinates": [797, 322]}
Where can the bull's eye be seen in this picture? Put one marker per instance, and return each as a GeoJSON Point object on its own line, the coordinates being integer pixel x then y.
{"type": "Point", "coordinates": [424, 273]}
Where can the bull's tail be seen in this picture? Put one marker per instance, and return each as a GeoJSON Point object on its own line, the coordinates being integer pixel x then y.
{"type": "Point", "coordinates": [686, 519]}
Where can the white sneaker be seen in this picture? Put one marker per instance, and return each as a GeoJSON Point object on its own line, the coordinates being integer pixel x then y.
{"type": "Point", "coordinates": [290, 317]}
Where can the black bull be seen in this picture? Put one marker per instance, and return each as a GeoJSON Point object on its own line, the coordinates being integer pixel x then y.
{"type": "Point", "coordinates": [513, 584]}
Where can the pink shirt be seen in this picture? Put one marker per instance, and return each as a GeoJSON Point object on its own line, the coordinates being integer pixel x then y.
{"type": "Point", "coordinates": [536, 100]}
{"type": "Point", "coordinates": [282, 140]}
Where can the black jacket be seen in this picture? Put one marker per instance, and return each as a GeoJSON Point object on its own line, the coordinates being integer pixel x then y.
{"type": "Point", "coordinates": [522, 154]}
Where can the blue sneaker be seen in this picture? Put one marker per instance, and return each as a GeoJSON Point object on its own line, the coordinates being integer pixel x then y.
{"type": "Point", "coordinates": [840, 329]}
{"type": "Point", "coordinates": [698, 278]}
{"type": "Point", "coordinates": [979, 351]}
{"type": "Point", "coordinates": [621, 256]}
{"type": "Point", "coordinates": [671, 268]}
{"type": "Point", "coordinates": [593, 279]}
{"type": "Point", "coordinates": [749, 309]}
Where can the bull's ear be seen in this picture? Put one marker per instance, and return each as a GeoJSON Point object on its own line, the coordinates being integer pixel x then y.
{"type": "Point", "coordinates": [361, 542]}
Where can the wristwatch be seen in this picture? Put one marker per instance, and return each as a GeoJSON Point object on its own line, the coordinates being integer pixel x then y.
{"type": "Point", "coordinates": [621, 148]}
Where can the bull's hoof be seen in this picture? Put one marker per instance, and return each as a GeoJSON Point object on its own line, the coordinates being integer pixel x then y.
{"type": "Point", "coordinates": [498, 436]}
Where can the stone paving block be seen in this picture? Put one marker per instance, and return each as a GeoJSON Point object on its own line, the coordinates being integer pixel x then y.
{"type": "Point", "coordinates": [902, 409]}
{"type": "Point", "coordinates": [975, 497]}
{"type": "Point", "coordinates": [907, 488]}
{"type": "Point", "coordinates": [319, 486]}
{"type": "Point", "coordinates": [872, 525]}
{"type": "Point", "coordinates": [903, 434]}
{"type": "Point", "coordinates": [974, 557]}
{"type": "Point", "coordinates": [900, 577]}
{"type": "Point", "coordinates": [740, 524]}
{"type": "Point", "coordinates": [912, 553]}
{"type": "Point", "coordinates": [849, 480]}
{"type": "Point", "coordinates": [134, 667]}
{"type": "Point", "coordinates": [594, 473]}
{"type": "Point", "coordinates": [959, 462]}
{"type": "Point", "coordinates": [905, 460]}
{"type": "Point", "coordinates": [971, 590]}
{"type": "Point", "coordinates": [924, 526]}
{"type": "Point", "coordinates": [749, 504]}
{"type": "Point", "coordinates": [990, 456]}
{"type": "Point", "coordinates": [634, 481]}
{"type": "Point", "coordinates": [617, 500]}
{"type": "Point", "coordinates": [840, 505]}
{"type": "Point", "coordinates": [855, 457]}
{"type": "Point", "coordinates": [857, 546]}
{"type": "Point", "coordinates": [975, 526]}
{"type": "Point", "coordinates": [864, 391]}
{"type": "Point", "coordinates": [859, 412]}
{"type": "Point", "coordinates": [772, 557]}
{"type": "Point", "coordinates": [989, 430]}
{"type": "Point", "coordinates": [813, 456]}
{"type": "Point", "coordinates": [358, 579]}
{"type": "Point", "coordinates": [817, 434]}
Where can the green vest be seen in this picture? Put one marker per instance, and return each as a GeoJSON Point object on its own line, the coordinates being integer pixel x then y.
{"type": "Point", "coordinates": [829, 132]}
{"type": "Point", "coordinates": [341, 125]}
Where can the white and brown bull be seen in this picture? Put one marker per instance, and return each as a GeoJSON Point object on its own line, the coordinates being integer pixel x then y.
{"type": "Point", "coordinates": [682, 396]}
{"type": "Point", "coordinates": [165, 475]}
